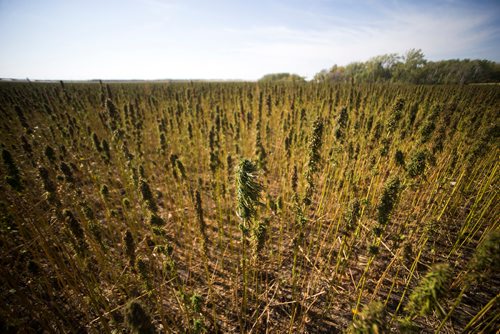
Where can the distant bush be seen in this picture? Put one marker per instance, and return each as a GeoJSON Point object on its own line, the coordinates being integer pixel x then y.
{"type": "Point", "coordinates": [281, 77]}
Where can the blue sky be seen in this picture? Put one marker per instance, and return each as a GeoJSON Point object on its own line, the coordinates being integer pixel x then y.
{"type": "Point", "coordinates": [223, 39]}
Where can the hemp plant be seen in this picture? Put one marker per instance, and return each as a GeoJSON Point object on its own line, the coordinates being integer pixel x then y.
{"type": "Point", "coordinates": [425, 298]}
{"type": "Point", "coordinates": [248, 195]}
{"type": "Point", "coordinates": [13, 177]}
{"type": "Point", "coordinates": [314, 159]}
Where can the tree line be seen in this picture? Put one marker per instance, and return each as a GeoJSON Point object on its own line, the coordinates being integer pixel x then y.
{"type": "Point", "coordinates": [282, 77]}
{"type": "Point", "coordinates": [412, 67]}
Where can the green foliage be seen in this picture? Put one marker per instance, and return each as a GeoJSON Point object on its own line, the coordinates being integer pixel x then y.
{"type": "Point", "coordinates": [407, 326]}
{"type": "Point", "coordinates": [425, 298]}
{"type": "Point", "coordinates": [259, 236]}
{"type": "Point", "coordinates": [487, 138]}
{"type": "Point", "coordinates": [314, 158]}
{"type": "Point", "coordinates": [417, 164]}
{"type": "Point", "coordinates": [371, 320]}
{"type": "Point", "coordinates": [395, 115]}
{"type": "Point", "coordinates": [315, 147]}
{"type": "Point", "coordinates": [399, 158]}
{"type": "Point", "coordinates": [486, 258]}
{"type": "Point", "coordinates": [198, 326]}
{"type": "Point", "coordinates": [412, 67]}
{"type": "Point", "coordinates": [113, 114]}
{"type": "Point", "coordinates": [351, 215]}
{"type": "Point", "coordinates": [248, 189]}
{"type": "Point", "coordinates": [388, 200]}
{"type": "Point", "coordinates": [196, 301]}
{"type": "Point", "coordinates": [199, 214]}
{"type": "Point", "coordinates": [342, 120]}
{"type": "Point", "coordinates": [427, 130]}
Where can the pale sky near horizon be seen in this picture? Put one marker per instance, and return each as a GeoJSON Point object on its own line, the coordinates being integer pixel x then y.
{"type": "Point", "coordinates": [190, 39]}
